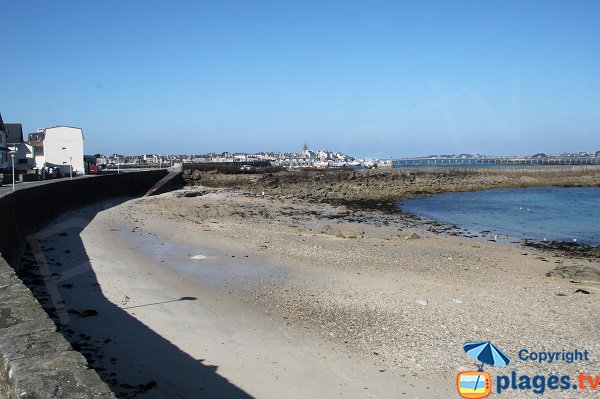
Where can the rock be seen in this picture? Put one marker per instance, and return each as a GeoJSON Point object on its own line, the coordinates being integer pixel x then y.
{"type": "Point", "coordinates": [341, 232]}
{"type": "Point", "coordinates": [582, 291]}
{"type": "Point", "coordinates": [191, 194]}
{"type": "Point", "coordinates": [342, 210]}
{"type": "Point", "coordinates": [422, 301]}
{"type": "Point", "coordinates": [413, 236]}
{"type": "Point", "coordinates": [338, 234]}
{"type": "Point", "coordinates": [577, 273]}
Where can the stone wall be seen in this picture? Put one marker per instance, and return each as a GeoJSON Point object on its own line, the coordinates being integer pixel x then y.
{"type": "Point", "coordinates": [27, 210]}
{"type": "Point", "coordinates": [36, 361]}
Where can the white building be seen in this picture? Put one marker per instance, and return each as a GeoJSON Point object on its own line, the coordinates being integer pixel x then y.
{"type": "Point", "coordinates": [60, 146]}
{"type": "Point", "coordinates": [152, 158]}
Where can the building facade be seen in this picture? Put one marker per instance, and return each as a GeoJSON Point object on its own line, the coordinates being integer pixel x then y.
{"type": "Point", "coordinates": [4, 151]}
{"type": "Point", "coordinates": [24, 152]}
{"type": "Point", "coordinates": [59, 147]}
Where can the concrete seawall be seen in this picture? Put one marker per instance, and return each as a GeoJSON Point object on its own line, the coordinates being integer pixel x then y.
{"type": "Point", "coordinates": [35, 360]}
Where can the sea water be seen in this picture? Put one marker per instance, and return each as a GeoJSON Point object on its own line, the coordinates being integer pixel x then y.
{"type": "Point", "coordinates": [553, 213]}
{"type": "Point", "coordinates": [211, 266]}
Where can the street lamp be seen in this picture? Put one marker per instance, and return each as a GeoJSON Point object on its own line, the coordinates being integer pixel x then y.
{"type": "Point", "coordinates": [12, 154]}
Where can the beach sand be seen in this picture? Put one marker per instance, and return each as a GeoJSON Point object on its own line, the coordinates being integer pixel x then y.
{"type": "Point", "coordinates": [285, 298]}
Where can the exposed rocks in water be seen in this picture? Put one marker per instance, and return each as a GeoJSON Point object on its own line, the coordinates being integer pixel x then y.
{"type": "Point", "coordinates": [566, 248]}
{"type": "Point", "coordinates": [384, 187]}
{"type": "Point", "coordinates": [193, 194]}
{"type": "Point", "coordinates": [576, 273]}
{"type": "Point", "coordinates": [353, 193]}
{"type": "Point", "coordinates": [342, 210]}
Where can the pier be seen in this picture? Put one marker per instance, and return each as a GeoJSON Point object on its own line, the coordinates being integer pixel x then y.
{"type": "Point", "coordinates": [494, 161]}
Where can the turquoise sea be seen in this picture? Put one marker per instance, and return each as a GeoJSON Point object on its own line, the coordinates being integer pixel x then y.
{"type": "Point", "coordinates": [553, 213]}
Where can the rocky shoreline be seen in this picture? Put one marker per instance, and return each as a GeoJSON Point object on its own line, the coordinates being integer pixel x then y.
{"type": "Point", "coordinates": [379, 189]}
{"type": "Point", "coordinates": [566, 248]}
{"type": "Point", "coordinates": [372, 196]}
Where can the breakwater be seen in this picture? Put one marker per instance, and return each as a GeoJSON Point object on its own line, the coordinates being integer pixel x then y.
{"type": "Point", "coordinates": [35, 360]}
{"type": "Point", "coordinates": [390, 185]}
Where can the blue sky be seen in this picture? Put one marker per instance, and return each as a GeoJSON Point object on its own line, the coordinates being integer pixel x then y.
{"type": "Point", "coordinates": [372, 78]}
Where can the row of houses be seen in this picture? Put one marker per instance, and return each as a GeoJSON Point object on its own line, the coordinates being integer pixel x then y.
{"type": "Point", "coordinates": [305, 157]}
{"type": "Point", "coordinates": [59, 147]}
{"type": "Point", "coordinates": [133, 160]}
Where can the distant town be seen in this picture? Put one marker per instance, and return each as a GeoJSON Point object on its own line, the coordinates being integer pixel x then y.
{"type": "Point", "coordinates": [59, 151]}
{"type": "Point", "coordinates": [303, 158]}
{"type": "Point", "coordinates": [326, 158]}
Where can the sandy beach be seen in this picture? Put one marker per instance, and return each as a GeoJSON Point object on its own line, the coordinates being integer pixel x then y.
{"type": "Point", "coordinates": [300, 199]}
{"type": "Point", "coordinates": [209, 292]}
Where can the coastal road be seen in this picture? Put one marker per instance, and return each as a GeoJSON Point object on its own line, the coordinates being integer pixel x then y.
{"type": "Point", "coordinates": [7, 187]}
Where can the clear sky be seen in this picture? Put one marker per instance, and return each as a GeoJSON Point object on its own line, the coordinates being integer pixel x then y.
{"type": "Point", "coordinates": [371, 78]}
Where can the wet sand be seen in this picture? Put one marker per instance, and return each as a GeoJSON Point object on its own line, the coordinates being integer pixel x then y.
{"type": "Point", "coordinates": [156, 323]}
{"type": "Point", "coordinates": [293, 299]}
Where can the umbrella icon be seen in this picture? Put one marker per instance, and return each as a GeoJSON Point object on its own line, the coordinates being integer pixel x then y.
{"type": "Point", "coordinates": [487, 353]}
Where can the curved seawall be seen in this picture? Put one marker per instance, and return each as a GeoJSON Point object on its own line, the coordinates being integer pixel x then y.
{"type": "Point", "coordinates": [35, 360]}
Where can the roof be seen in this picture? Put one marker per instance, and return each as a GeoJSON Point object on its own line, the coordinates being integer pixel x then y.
{"type": "Point", "coordinates": [59, 126]}
{"type": "Point", "coordinates": [15, 133]}
{"type": "Point", "coordinates": [2, 124]}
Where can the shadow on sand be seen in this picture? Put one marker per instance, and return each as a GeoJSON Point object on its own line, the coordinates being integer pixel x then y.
{"type": "Point", "coordinates": [131, 358]}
